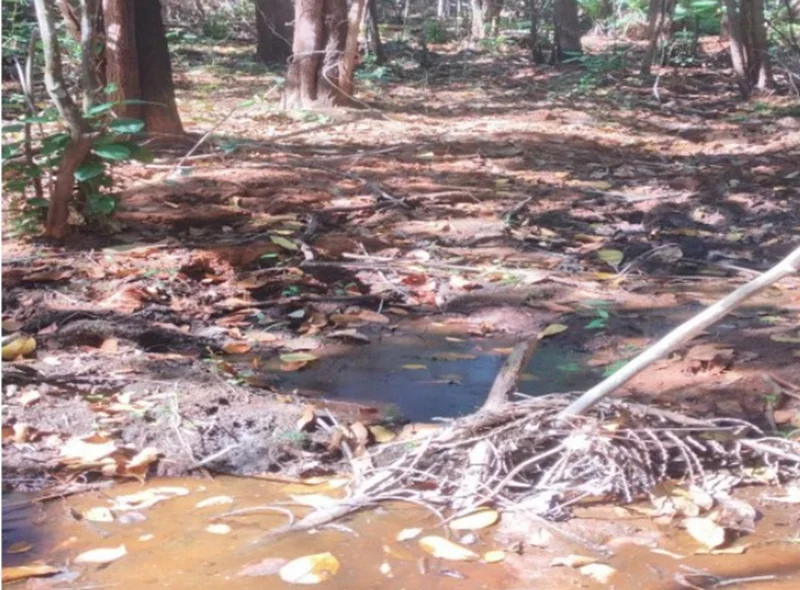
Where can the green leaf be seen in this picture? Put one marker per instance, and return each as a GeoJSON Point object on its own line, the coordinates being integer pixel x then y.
{"type": "Point", "coordinates": [54, 143]}
{"type": "Point", "coordinates": [611, 257]}
{"type": "Point", "coordinates": [298, 357]}
{"type": "Point", "coordinates": [39, 203]}
{"type": "Point", "coordinates": [101, 204]}
{"type": "Point", "coordinates": [614, 367]}
{"type": "Point", "coordinates": [603, 314]}
{"type": "Point", "coordinates": [13, 127]}
{"type": "Point", "coordinates": [142, 154]}
{"type": "Point", "coordinates": [11, 149]}
{"type": "Point", "coordinates": [126, 125]}
{"type": "Point", "coordinates": [99, 109]}
{"type": "Point", "coordinates": [89, 171]}
{"type": "Point", "coordinates": [283, 242]}
{"type": "Point", "coordinates": [112, 151]}
{"type": "Point", "coordinates": [596, 324]}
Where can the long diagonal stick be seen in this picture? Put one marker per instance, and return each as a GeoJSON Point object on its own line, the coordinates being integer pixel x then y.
{"type": "Point", "coordinates": [683, 333]}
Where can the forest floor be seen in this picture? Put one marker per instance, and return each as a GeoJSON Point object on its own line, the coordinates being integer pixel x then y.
{"type": "Point", "coordinates": [374, 266]}
{"type": "Point", "coordinates": [378, 263]}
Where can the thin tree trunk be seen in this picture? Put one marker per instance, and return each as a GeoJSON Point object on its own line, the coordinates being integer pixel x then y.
{"type": "Point", "coordinates": [478, 29]}
{"type": "Point", "coordinates": [406, 13]}
{"type": "Point", "coordinates": [91, 86]}
{"type": "Point", "coordinates": [659, 22]}
{"type": "Point", "coordinates": [761, 72]}
{"type": "Point", "coordinates": [737, 48]}
{"type": "Point", "coordinates": [536, 51]}
{"type": "Point", "coordinates": [80, 142]}
{"type": "Point", "coordinates": [347, 68]}
{"type": "Point", "coordinates": [375, 32]}
{"type": "Point", "coordinates": [440, 4]}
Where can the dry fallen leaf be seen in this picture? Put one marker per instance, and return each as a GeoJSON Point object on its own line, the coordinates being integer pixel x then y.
{"type": "Point", "coordinates": [444, 549]}
{"type": "Point", "coordinates": [705, 531]}
{"type": "Point", "coordinates": [598, 571]}
{"type": "Point", "coordinates": [22, 346]}
{"type": "Point", "coordinates": [552, 330]}
{"type": "Point", "coordinates": [214, 501]}
{"type": "Point", "coordinates": [19, 547]}
{"type": "Point", "coordinates": [266, 567]}
{"type": "Point", "coordinates": [11, 574]}
{"type": "Point", "coordinates": [218, 529]}
{"type": "Point", "coordinates": [87, 449]}
{"type": "Point", "coordinates": [475, 521]}
{"type": "Point", "coordinates": [495, 556]}
{"type": "Point", "coordinates": [407, 534]}
{"type": "Point", "coordinates": [310, 569]}
{"type": "Point", "coordinates": [99, 514]}
{"type": "Point", "coordinates": [233, 347]}
{"type": "Point", "coordinates": [101, 555]}
{"type": "Point", "coordinates": [573, 560]}
{"type": "Point", "coordinates": [147, 498]}
{"type": "Point", "coordinates": [318, 501]}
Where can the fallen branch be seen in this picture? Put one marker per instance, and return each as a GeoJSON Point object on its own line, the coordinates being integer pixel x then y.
{"type": "Point", "coordinates": [683, 334]}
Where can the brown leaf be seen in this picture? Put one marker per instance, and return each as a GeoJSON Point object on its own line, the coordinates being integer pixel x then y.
{"type": "Point", "coordinates": [308, 421]}
{"type": "Point", "coordinates": [22, 572]}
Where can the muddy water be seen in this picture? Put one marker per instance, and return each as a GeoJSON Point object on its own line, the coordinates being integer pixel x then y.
{"type": "Point", "coordinates": [431, 374]}
{"type": "Point", "coordinates": [169, 546]}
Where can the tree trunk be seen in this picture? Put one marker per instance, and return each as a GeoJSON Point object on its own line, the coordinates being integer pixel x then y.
{"type": "Point", "coordinates": [122, 65]}
{"type": "Point", "coordinates": [478, 29]}
{"type": "Point", "coordinates": [492, 10]}
{"type": "Point", "coordinates": [347, 68]}
{"type": "Point", "coordinates": [748, 45]}
{"type": "Point", "coordinates": [659, 23]}
{"type": "Point", "coordinates": [91, 85]}
{"type": "Point", "coordinates": [376, 46]}
{"type": "Point", "coordinates": [274, 24]}
{"type": "Point", "coordinates": [536, 51]}
{"type": "Point", "coordinates": [155, 71]}
{"type": "Point", "coordinates": [80, 142]}
{"type": "Point", "coordinates": [440, 9]}
{"type": "Point", "coordinates": [566, 30]}
{"type": "Point", "coordinates": [138, 62]}
{"type": "Point", "coordinates": [406, 13]}
{"type": "Point", "coordinates": [320, 35]}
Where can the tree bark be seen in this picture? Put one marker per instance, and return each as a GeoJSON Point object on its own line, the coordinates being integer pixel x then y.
{"type": "Point", "coordinates": [347, 67]}
{"type": "Point", "coordinates": [659, 23]}
{"type": "Point", "coordinates": [566, 30]}
{"type": "Point", "coordinates": [138, 63]}
{"type": "Point", "coordinates": [478, 27]}
{"type": "Point", "coordinates": [376, 45]}
{"type": "Point", "coordinates": [320, 36]}
{"type": "Point", "coordinates": [122, 64]}
{"type": "Point", "coordinates": [155, 71]}
{"type": "Point", "coordinates": [748, 45]}
{"type": "Point", "coordinates": [91, 85]}
{"type": "Point", "coordinates": [537, 56]}
{"type": "Point", "coordinates": [274, 26]}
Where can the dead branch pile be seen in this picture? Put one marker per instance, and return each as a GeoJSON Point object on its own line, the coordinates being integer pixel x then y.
{"type": "Point", "coordinates": [526, 455]}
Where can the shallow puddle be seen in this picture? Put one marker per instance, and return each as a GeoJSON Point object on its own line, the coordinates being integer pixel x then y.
{"type": "Point", "coordinates": [432, 374]}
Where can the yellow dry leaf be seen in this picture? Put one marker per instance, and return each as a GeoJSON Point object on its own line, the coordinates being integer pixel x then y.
{"type": "Point", "coordinates": [19, 547]}
{"type": "Point", "coordinates": [414, 367]}
{"type": "Point", "coordinates": [573, 560]}
{"type": "Point", "coordinates": [19, 347]}
{"type": "Point", "coordinates": [444, 549]}
{"type": "Point", "coordinates": [105, 555]}
{"type": "Point", "coordinates": [475, 521]}
{"type": "Point", "coordinates": [706, 531]}
{"type": "Point", "coordinates": [407, 534]}
{"type": "Point", "coordinates": [495, 556]}
{"type": "Point", "coordinates": [11, 574]}
{"type": "Point", "coordinates": [382, 434]}
{"type": "Point", "coordinates": [598, 571]}
{"type": "Point", "coordinates": [552, 330]}
{"type": "Point", "coordinates": [310, 569]}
